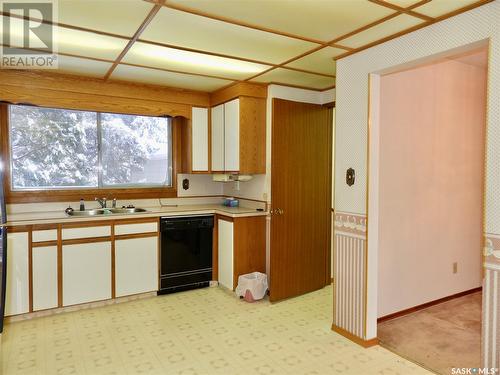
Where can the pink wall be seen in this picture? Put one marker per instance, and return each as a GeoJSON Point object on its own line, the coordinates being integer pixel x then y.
{"type": "Point", "coordinates": [432, 121]}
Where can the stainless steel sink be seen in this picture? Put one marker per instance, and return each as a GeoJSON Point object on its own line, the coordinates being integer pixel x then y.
{"type": "Point", "coordinates": [126, 210]}
{"type": "Point", "coordinates": [106, 211]}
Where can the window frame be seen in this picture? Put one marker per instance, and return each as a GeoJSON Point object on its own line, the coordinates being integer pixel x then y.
{"type": "Point", "coordinates": [71, 194]}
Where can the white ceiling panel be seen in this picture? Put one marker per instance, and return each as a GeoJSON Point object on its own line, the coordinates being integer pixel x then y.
{"type": "Point", "coordinates": [390, 27]}
{"type": "Point", "coordinates": [114, 16]}
{"type": "Point", "coordinates": [73, 42]}
{"type": "Point", "coordinates": [403, 3]}
{"type": "Point", "coordinates": [88, 44]}
{"type": "Point", "coordinates": [316, 19]}
{"type": "Point", "coordinates": [191, 62]}
{"type": "Point", "coordinates": [158, 77]}
{"type": "Point", "coordinates": [438, 8]}
{"type": "Point", "coordinates": [292, 77]}
{"type": "Point", "coordinates": [84, 67]}
{"type": "Point", "coordinates": [196, 32]}
{"type": "Point", "coordinates": [320, 61]}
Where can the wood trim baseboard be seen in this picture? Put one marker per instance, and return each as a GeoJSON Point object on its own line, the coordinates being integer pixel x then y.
{"type": "Point", "coordinates": [358, 340]}
{"type": "Point", "coordinates": [426, 305]}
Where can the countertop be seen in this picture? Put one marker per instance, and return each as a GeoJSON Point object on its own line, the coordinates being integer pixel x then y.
{"type": "Point", "coordinates": [29, 218]}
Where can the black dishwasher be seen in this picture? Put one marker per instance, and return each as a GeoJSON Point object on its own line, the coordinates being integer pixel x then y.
{"type": "Point", "coordinates": [186, 253]}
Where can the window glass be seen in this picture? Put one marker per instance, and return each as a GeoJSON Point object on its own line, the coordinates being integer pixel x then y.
{"type": "Point", "coordinates": [135, 150]}
{"type": "Point", "coordinates": [57, 149]}
{"type": "Point", "coordinates": [52, 148]}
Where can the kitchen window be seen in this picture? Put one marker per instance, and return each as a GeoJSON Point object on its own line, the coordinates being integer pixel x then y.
{"type": "Point", "coordinates": [59, 149]}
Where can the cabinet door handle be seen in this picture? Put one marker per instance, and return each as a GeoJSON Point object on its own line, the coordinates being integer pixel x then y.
{"type": "Point", "coordinates": [280, 210]}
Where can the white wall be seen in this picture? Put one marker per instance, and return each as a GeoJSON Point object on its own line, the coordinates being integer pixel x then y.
{"type": "Point", "coordinates": [199, 184]}
{"type": "Point", "coordinates": [476, 26]}
{"type": "Point", "coordinates": [253, 189]}
{"type": "Point", "coordinates": [431, 168]}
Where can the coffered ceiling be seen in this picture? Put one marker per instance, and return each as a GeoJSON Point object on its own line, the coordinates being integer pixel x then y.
{"type": "Point", "coordinates": [209, 44]}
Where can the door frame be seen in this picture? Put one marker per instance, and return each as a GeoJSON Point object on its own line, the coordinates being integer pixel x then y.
{"type": "Point", "coordinates": [372, 190]}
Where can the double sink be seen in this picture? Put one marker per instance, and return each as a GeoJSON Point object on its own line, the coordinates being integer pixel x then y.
{"type": "Point", "coordinates": [105, 211]}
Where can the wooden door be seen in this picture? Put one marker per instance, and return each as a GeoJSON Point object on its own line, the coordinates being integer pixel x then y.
{"type": "Point", "coordinates": [301, 198]}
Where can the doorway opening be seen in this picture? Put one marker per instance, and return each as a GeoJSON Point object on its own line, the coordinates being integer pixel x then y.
{"type": "Point", "coordinates": [430, 131]}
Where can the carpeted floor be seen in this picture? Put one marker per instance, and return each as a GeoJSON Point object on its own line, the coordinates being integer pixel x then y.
{"type": "Point", "coordinates": [440, 337]}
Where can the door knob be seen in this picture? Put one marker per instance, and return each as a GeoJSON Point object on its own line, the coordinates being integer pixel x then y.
{"type": "Point", "coordinates": [280, 211]}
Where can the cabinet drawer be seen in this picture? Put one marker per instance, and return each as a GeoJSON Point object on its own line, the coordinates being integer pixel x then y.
{"type": "Point", "coordinates": [136, 228]}
{"type": "Point", "coordinates": [44, 235]}
{"type": "Point", "coordinates": [86, 232]}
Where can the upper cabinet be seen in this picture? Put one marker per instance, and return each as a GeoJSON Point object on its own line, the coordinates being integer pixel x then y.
{"type": "Point", "coordinates": [217, 138]}
{"type": "Point", "coordinates": [199, 133]}
{"type": "Point", "coordinates": [195, 142]}
{"type": "Point", "coordinates": [239, 136]}
{"type": "Point", "coordinates": [232, 136]}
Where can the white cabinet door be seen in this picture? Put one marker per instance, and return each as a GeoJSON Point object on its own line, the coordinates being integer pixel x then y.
{"type": "Point", "coordinates": [225, 246]}
{"type": "Point", "coordinates": [17, 291]}
{"type": "Point", "coordinates": [199, 139]}
{"type": "Point", "coordinates": [232, 136]}
{"type": "Point", "coordinates": [136, 265]}
{"type": "Point", "coordinates": [86, 272]}
{"type": "Point", "coordinates": [218, 138]}
{"type": "Point", "coordinates": [44, 278]}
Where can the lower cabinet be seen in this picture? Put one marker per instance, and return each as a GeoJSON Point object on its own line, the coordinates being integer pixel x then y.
{"type": "Point", "coordinates": [17, 285]}
{"type": "Point", "coordinates": [136, 265]}
{"type": "Point", "coordinates": [86, 272]}
{"type": "Point", "coordinates": [241, 248]}
{"type": "Point", "coordinates": [226, 252]}
{"type": "Point", "coordinates": [45, 289]}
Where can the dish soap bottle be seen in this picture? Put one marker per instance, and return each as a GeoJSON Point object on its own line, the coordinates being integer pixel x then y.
{"type": "Point", "coordinates": [82, 205]}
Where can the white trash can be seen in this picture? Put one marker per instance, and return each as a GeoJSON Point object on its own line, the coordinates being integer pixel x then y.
{"type": "Point", "coordinates": [252, 286]}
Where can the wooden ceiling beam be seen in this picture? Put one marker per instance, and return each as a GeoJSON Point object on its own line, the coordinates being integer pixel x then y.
{"type": "Point", "coordinates": [238, 22]}
{"type": "Point", "coordinates": [64, 25]}
{"type": "Point", "coordinates": [152, 13]}
{"type": "Point", "coordinates": [414, 28]}
{"type": "Point", "coordinates": [150, 42]}
{"type": "Point", "coordinates": [407, 11]}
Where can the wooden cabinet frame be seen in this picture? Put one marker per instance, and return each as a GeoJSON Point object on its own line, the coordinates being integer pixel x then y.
{"type": "Point", "coordinates": [57, 195]}
{"type": "Point", "coordinates": [59, 242]}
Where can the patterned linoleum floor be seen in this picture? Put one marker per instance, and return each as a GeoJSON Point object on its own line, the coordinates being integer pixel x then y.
{"type": "Point", "coordinates": [207, 331]}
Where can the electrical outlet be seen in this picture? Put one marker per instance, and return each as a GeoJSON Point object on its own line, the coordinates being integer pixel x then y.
{"type": "Point", "coordinates": [455, 267]}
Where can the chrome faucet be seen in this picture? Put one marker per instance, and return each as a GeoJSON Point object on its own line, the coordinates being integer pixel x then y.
{"type": "Point", "coordinates": [102, 202]}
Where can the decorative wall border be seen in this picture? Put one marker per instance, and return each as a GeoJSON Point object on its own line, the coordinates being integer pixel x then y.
{"type": "Point", "coordinates": [491, 249]}
{"type": "Point", "coordinates": [347, 222]}
{"type": "Point", "coordinates": [349, 318]}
